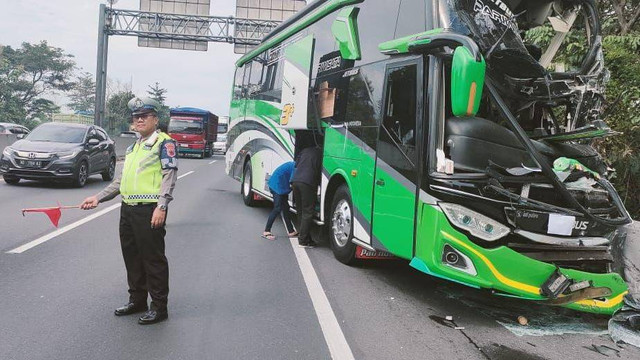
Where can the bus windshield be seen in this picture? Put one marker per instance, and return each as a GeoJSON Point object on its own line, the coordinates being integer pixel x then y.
{"type": "Point", "coordinates": [494, 28]}
{"type": "Point", "coordinates": [185, 125]}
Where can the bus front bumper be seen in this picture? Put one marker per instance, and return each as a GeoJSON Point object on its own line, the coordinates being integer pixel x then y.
{"type": "Point", "coordinates": [510, 273]}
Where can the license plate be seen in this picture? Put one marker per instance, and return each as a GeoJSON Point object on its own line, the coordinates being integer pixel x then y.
{"type": "Point", "coordinates": [184, 145]}
{"type": "Point", "coordinates": [560, 224]}
{"type": "Point", "coordinates": [31, 163]}
{"type": "Point", "coordinates": [549, 223]}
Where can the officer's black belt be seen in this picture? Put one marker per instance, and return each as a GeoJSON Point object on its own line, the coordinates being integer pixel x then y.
{"type": "Point", "coordinates": [141, 203]}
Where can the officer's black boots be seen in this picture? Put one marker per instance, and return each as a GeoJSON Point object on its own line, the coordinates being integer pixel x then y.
{"type": "Point", "coordinates": [130, 308]}
{"type": "Point", "coordinates": [152, 317]}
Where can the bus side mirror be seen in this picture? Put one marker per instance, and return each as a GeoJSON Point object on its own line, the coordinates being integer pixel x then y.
{"type": "Point", "coordinates": [467, 81]}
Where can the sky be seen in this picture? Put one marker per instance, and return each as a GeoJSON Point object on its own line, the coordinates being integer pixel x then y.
{"type": "Point", "coordinates": [192, 78]}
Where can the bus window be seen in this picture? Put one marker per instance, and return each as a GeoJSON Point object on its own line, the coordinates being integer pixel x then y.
{"type": "Point", "coordinates": [361, 109]}
{"type": "Point", "coordinates": [272, 84]}
{"type": "Point", "coordinates": [400, 115]}
{"type": "Point", "coordinates": [237, 83]}
{"type": "Point", "coordinates": [397, 142]}
{"type": "Point", "coordinates": [256, 78]}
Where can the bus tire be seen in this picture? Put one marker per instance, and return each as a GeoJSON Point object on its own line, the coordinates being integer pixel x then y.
{"type": "Point", "coordinates": [340, 229]}
{"type": "Point", "coordinates": [245, 185]}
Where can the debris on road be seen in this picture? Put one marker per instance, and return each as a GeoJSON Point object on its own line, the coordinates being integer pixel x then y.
{"type": "Point", "coordinates": [444, 321]}
{"type": "Point", "coordinates": [522, 320]}
{"type": "Point", "coordinates": [624, 326]}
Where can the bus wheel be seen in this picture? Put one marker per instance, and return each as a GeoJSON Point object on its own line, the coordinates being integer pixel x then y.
{"type": "Point", "coordinates": [245, 188]}
{"type": "Point", "coordinates": [341, 226]}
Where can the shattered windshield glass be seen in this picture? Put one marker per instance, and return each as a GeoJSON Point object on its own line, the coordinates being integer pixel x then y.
{"type": "Point", "coordinates": [494, 27]}
{"type": "Point", "coordinates": [544, 57]}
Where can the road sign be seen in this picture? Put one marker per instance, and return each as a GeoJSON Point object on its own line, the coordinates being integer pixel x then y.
{"type": "Point", "coordinates": [169, 26]}
{"type": "Point", "coordinates": [276, 10]}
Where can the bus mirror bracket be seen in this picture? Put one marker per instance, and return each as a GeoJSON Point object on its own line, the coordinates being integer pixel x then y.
{"type": "Point", "coordinates": [345, 31]}
{"type": "Point", "coordinates": [467, 69]}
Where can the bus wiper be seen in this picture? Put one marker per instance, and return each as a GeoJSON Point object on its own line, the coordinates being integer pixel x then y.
{"type": "Point", "coordinates": [534, 204]}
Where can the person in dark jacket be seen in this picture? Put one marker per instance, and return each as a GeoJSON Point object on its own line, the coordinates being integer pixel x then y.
{"type": "Point", "coordinates": [305, 183]}
{"type": "Point", "coordinates": [280, 186]}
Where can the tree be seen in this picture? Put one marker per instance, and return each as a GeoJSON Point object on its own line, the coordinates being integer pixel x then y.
{"type": "Point", "coordinates": [41, 110]}
{"type": "Point", "coordinates": [627, 13]}
{"type": "Point", "coordinates": [158, 94]}
{"type": "Point", "coordinates": [27, 75]}
{"type": "Point", "coordinates": [83, 93]}
{"type": "Point", "coordinates": [115, 86]}
{"type": "Point", "coordinates": [118, 113]}
{"type": "Point", "coordinates": [11, 108]}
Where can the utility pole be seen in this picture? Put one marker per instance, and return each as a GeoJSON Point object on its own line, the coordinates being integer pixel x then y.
{"type": "Point", "coordinates": [104, 23]}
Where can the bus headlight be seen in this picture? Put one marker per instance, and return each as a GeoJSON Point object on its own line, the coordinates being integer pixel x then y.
{"type": "Point", "coordinates": [477, 224]}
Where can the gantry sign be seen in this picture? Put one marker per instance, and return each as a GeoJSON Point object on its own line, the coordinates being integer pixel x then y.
{"type": "Point", "coordinates": [181, 24]}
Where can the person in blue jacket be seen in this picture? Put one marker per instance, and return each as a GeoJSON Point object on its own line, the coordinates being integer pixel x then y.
{"type": "Point", "coordinates": [280, 186]}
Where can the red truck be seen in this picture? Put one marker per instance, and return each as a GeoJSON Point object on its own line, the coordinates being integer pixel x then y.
{"type": "Point", "coordinates": [194, 129]}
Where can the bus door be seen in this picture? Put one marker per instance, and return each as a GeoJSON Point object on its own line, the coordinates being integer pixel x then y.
{"type": "Point", "coordinates": [396, 174]}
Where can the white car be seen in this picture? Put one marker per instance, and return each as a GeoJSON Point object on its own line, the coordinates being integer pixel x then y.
{"type": "Point", "coordinates": [11, 128]}
{"type": "Point", "coordinates": [221, 141]}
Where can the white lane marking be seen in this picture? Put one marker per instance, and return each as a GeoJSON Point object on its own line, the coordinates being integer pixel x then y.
{"type": "Point", "coordinates": [61, 231]}
{"type": "Point", "coordinates": [185, 174]}
{"type": "Point", "coordinates": [51, 235]}
{"type": "Point", "coordinates": [211, 162]}
{"type": "Point", "coordinates": [333, 335]}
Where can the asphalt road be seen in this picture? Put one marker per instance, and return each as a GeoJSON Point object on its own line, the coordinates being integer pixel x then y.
{"type": "Point", "coordinates": [234, 295]}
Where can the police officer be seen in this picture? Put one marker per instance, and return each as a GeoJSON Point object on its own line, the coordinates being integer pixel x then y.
{"type": "Point", "coordinates": [147, 181]}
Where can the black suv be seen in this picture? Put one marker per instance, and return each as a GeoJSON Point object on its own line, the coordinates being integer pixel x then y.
{"type": "Point", "coordinates": [60, 151]}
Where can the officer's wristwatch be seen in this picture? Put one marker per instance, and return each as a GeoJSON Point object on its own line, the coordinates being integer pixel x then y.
{"type": "Point", "coordinates": [162, 207]}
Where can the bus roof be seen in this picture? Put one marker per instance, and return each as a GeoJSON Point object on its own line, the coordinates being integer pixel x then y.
{"type": "Point", "coordinates": [305, 17]}
{"type": "Point", "coordinates": [190, 110]}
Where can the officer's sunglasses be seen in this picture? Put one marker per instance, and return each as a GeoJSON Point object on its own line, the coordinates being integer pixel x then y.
{"type": "Point", "coordinates": [142, 116]}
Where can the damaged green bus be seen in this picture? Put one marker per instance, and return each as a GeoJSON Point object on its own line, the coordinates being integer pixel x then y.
{"type": "Point", "coordinates": [448, 140]}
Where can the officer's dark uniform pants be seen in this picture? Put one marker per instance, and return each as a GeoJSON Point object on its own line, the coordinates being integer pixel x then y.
{"type": "Point", "coordinates": [305, 198]}
{"type": "Point", "coordinates": [143, 252]}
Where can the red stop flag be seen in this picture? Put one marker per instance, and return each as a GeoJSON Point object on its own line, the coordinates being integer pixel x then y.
{"type": "Point", "coordinates": [53, 213]}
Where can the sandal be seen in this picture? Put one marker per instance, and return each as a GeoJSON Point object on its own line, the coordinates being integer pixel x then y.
{"type": "Point", "coordinates": [267, 235]}
{"type": "Point", "coordinates": [293, 234]}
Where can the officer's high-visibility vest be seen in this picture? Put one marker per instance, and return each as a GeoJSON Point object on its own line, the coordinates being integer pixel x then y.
{"type": "Point", "coordinates": [142, 173]}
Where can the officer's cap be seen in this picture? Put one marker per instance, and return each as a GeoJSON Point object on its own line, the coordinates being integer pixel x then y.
{"type": "Point", "coordinates": [139, 106]}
